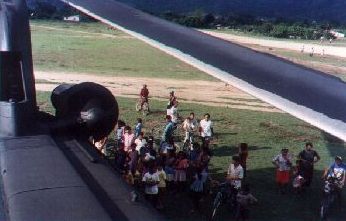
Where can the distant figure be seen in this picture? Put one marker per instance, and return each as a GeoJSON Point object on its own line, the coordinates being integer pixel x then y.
{"type": "Point", "coordinates": [330, 40]}
{"type": "Point", "coordinates": [312, 52]}
{"type": "Point", "coordinates": [172, 100]}
{"type": "Point", "coordinates": [144, 94]}
{"type": "Point", "coordinates": [138, 127]}
{"type": "Point", "coordinates": [321, 39]}
{"type": "Point", "coordinates": [302, 49]}
{"type": "Point", "coordinates": [322, 52]}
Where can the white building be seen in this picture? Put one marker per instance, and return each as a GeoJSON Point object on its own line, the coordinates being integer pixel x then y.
{"type": "Point", "coordinates": [74, 18]}
{"type": "Point", "coordinates": [337, 34]}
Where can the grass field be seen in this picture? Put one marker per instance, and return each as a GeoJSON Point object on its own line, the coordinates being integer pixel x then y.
{"type": "Point", "coordinates": [92, 48]}
{"type": "Point", "coordinates": [266, 133]}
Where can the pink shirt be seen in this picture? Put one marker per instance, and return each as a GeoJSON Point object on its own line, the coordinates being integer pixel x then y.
{"type": "Point", "coordinates": [129, 139]}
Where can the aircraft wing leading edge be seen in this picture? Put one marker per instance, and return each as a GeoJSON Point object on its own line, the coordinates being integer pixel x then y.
{"type": "Point", "coordinates": [310, 95]}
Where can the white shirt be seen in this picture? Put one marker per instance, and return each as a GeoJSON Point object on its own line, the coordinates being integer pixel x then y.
{"type": "Point", "coordinates": [206, 128]}
{"type": "Point", "coordinates": [151, 189]}
{"type": "Point", "coordinates": [173, 112]}
{"type": "Point", "coordinates": [237, 172]}
{"type": "Point", "coordinates": [140, 143]}
{"type": "Point", "coordinates": [284, 163]}
{"type": "Point", "coordinates": [188, 125]}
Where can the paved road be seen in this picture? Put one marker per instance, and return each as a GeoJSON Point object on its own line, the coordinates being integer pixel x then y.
{"type": "Point", "coordinates": [305, 87]}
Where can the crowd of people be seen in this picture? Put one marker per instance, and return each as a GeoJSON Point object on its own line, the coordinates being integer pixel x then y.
{"type": "Point", "coordinates": [159, 166]}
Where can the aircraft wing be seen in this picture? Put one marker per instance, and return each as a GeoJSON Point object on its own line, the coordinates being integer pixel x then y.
{"type": "Point", "coordinates": [310, 95]}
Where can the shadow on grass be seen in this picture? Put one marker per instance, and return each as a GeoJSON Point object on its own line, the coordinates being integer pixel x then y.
{"type": "Point", "coordinates": [271, 206]}
{"type": "Point", "coordinates": [258, 148]}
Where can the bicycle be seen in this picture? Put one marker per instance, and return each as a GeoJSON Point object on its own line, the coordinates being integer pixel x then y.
{"type": "Point", "coordinates": [144, 108]}
{"type": "Point", "coordinates": [330, 192]}
{"type": "Point", "coordinates": [224, 195]}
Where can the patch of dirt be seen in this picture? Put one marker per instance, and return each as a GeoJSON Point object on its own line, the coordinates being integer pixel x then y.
{"type": "Point", "coordinates": [200, 92]}
{"type": "Point", "coordinates": [319, 48]}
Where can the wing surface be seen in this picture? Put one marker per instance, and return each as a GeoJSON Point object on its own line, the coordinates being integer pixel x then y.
{"type": "Point", "coordinates": [310, 95]}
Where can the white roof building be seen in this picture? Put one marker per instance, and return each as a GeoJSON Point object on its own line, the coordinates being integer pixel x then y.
{"type": "Point", "coordinates": [74, 18]}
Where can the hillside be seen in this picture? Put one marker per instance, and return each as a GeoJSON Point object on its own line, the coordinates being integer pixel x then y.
{"type": "Point", "coordinates": [319, 10]}
{"type": "Point", "coordinates": [312, 10]}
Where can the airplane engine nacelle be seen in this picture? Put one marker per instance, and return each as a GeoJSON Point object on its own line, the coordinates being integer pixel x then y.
{"type": "Point", "coordinates": [88, 107]}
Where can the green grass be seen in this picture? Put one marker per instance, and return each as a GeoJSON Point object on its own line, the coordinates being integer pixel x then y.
{"type": "Point", "coordinates": [69, 50]}
{"type": "Point", "coordinates": [266, 134]}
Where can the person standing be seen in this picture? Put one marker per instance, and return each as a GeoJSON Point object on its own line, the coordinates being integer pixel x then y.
{"type": "Point", "coordinates": [243, 154]}
{"type": "Point", "coordinates": [308, 157]}
{"type": "Point", "coordinates": [206, 129]}
{"type": "Point", "coordinates": [283, 163]}
{"type": "Point", "coordinates": [129, 138]}
{"type": "Point", "coordinates": [138, 127]}
{"type": "Point", "coordinates": [235, 173]}
{"type": "Point", "coordinates": [168, 131]}
{"type": "Point", "coordinates": [144, 95]}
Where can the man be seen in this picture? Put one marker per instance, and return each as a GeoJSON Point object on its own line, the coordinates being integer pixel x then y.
{"type": "Point", "coordinates": [168, 131]}
{"type": "Point", "coordinates": [190, 126]}
{"type": "Point", "coordinates": [283, 163]}
{"type": "Point", "coordinates": [336, 171]}
{"type": "Point", "coordinates": [172, 99]}
{"type": "Point", "coordinates": [144, 94]}
{"type": "Point", "coordinates": [308, 157]}
{"type": "Point", "coordinates": [206, 129]}
{"type": "Point", "coordinates": [173, 112]}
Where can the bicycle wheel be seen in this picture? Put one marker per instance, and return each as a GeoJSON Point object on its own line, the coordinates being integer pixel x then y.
{"type": "Point", "coordinates": [324, 210]}
{"type": "Point", "coordinates": [145, 109]}
{"type": "Point", "coordinates": [216, 204]}
{"type": "Point", "coordinates": [138, 106]}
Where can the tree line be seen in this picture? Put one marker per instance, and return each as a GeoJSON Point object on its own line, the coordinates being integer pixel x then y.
{"type": "Point", "coordinates": [278, 28]}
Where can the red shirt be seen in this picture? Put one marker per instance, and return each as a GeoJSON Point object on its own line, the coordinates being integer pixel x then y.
{"type": "Point", "coordinates": [144, 92]}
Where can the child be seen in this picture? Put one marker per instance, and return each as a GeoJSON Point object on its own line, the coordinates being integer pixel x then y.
{"type": "Point", "coordinates": [244, 199]}
{"type": "Point", "coordinates": [180, 170]}
{"type": "Point", "coordinates": [119, 133]}
{"type": "Point", "coordinates": [133, 157]}
{"type": "Point", "coordinates": [140, 142]}
{"type": "Point", "coordinates": [243, 154]}
{"type": "Point", "coordinates": [151, 181]}
{"type": "Point", "coordinates": [197, 189]}
{"type": "Point", "coordinates": [162, 186]}
{"type": "Point", "coordinates": [138, 127]}
{"type": "Point", "coordinates": [298, 180]}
